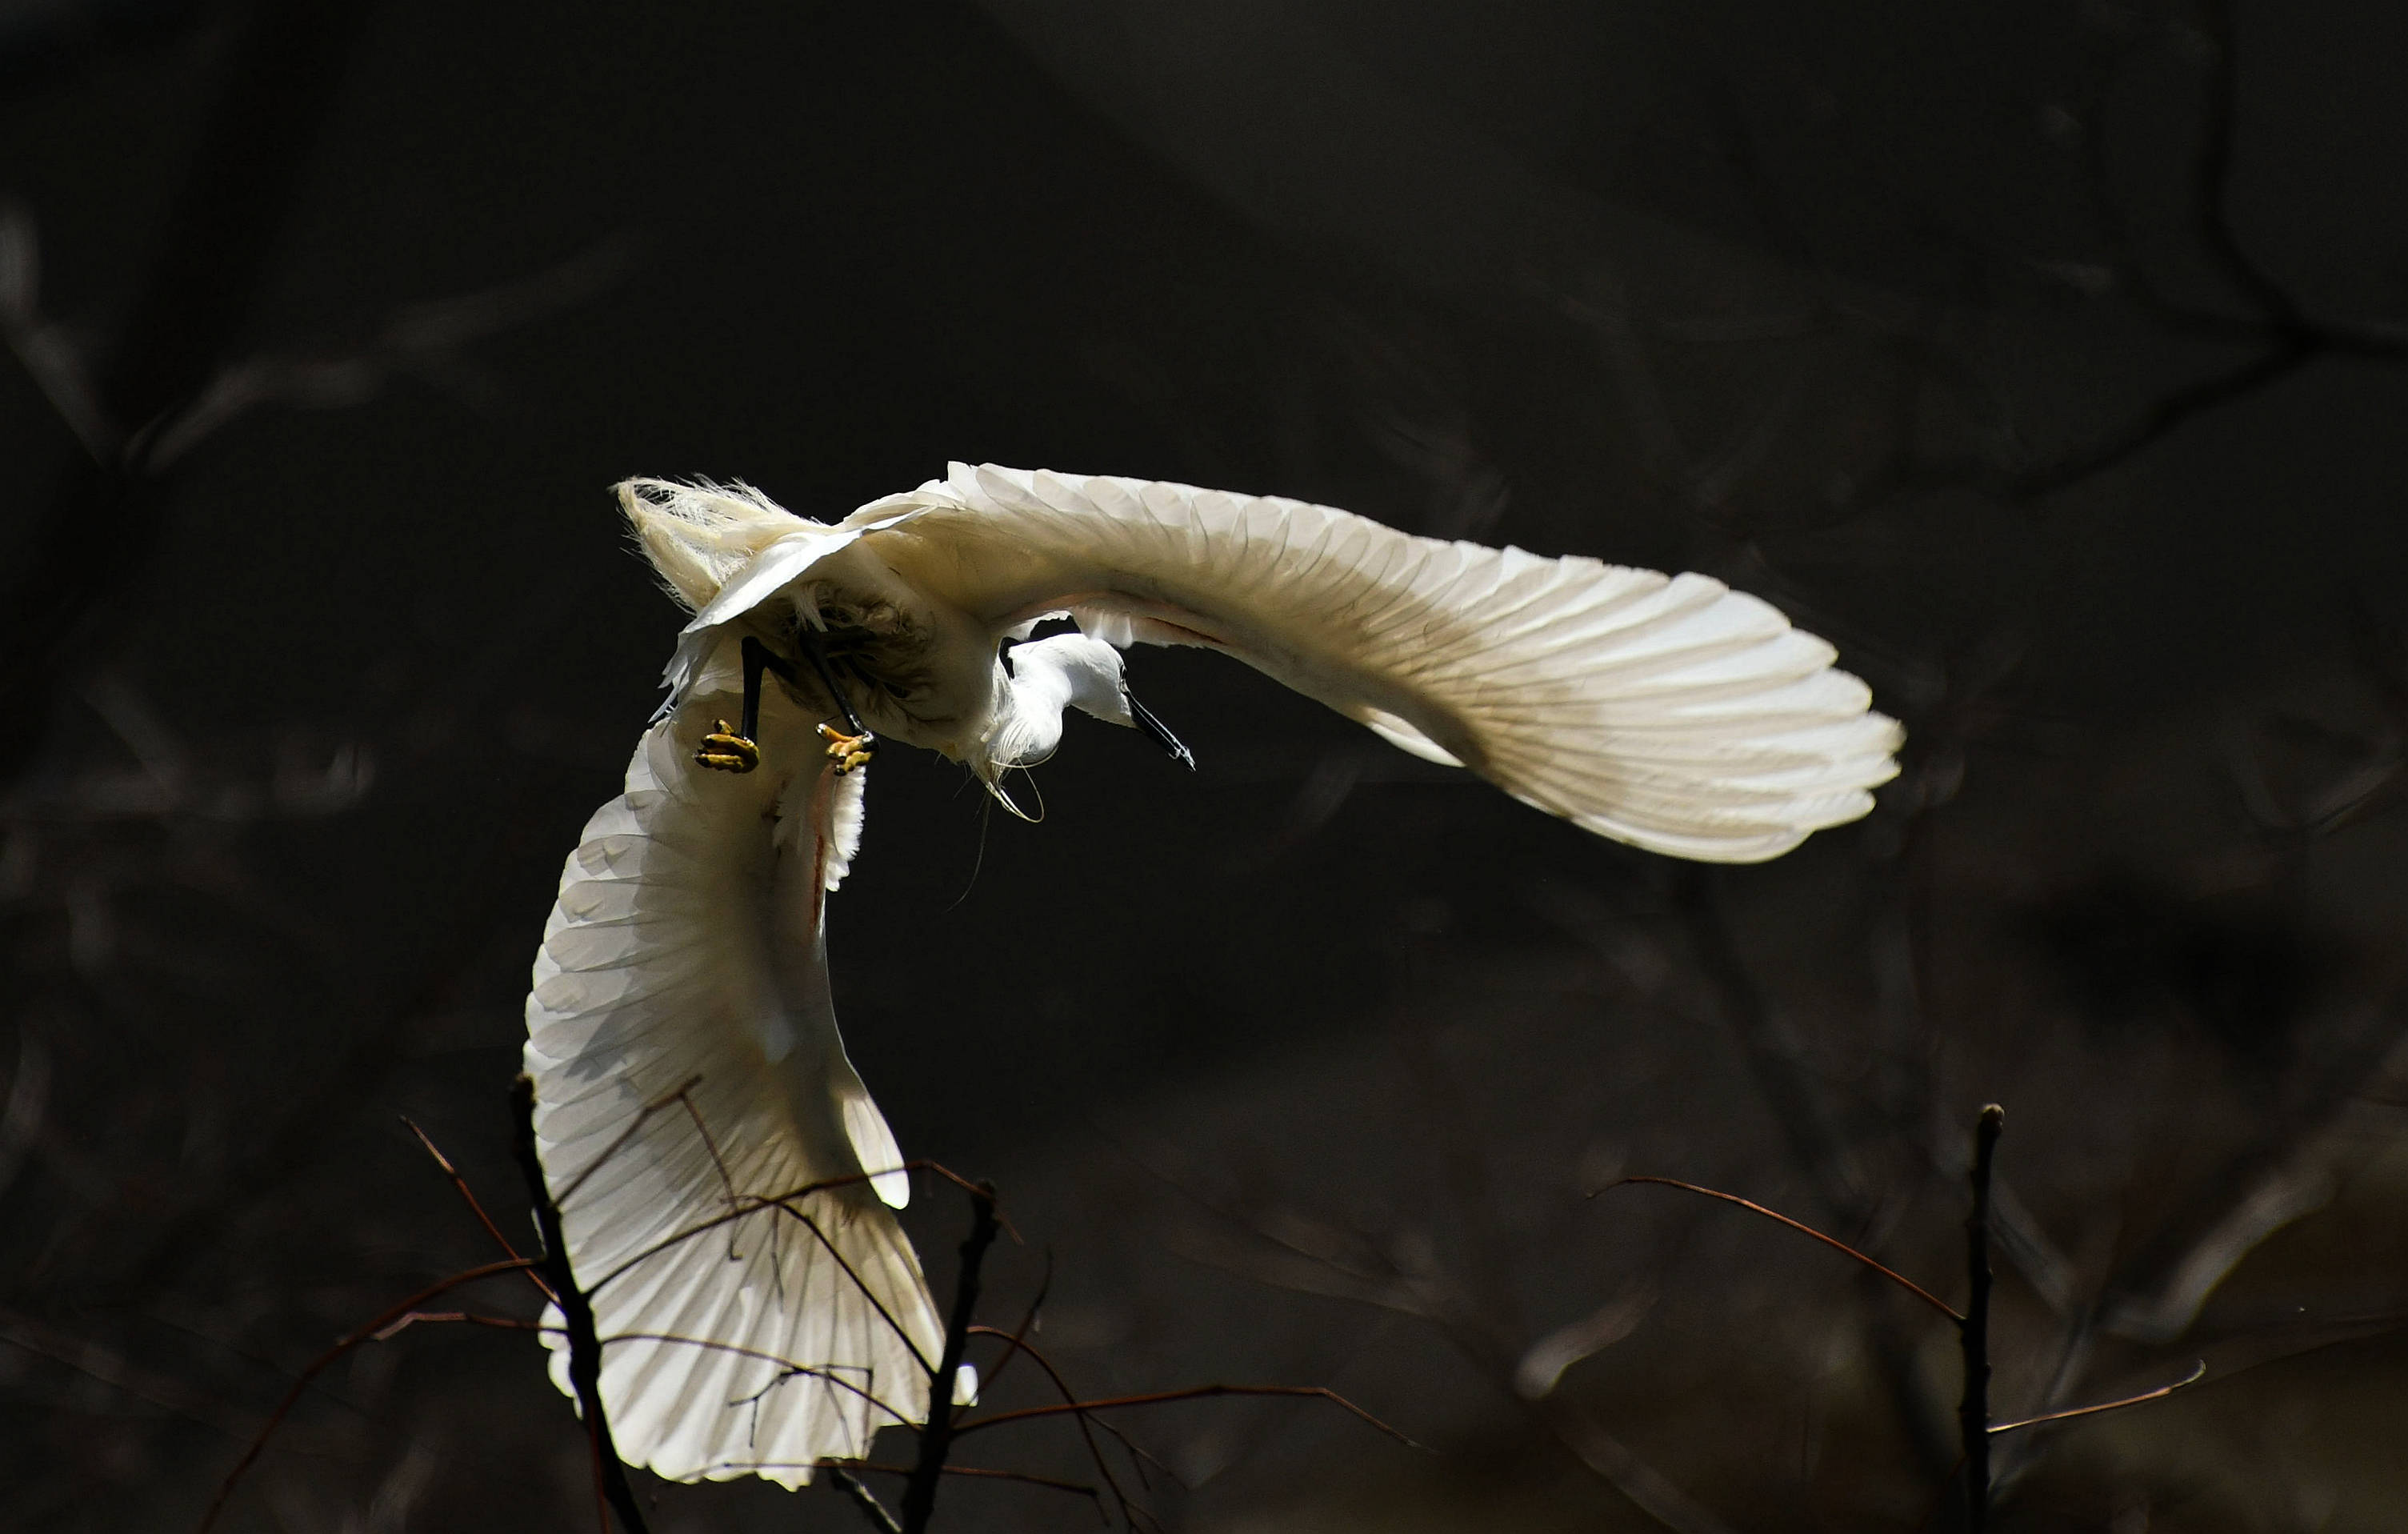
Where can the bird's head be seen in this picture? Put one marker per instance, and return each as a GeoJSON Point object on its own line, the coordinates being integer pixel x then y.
{"type": "Point", "coordinates": [1046, 677]}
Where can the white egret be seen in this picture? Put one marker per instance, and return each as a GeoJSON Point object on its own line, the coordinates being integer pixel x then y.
{"type": "Point", "coordinates": [687, 947]}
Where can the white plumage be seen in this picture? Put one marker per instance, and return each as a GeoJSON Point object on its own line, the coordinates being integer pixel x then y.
{"type": "Point", "coordinates": [687, 947]}
{"type": "Point", "coordinates": [1669, 712]}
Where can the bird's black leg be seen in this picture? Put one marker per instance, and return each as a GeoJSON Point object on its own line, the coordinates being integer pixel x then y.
{"type": "Point", "coordinates": [847, 751]}
{"type": "Point", "coordinates": [738, 749]}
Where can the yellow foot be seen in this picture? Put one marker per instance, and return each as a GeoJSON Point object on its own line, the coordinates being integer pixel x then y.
{"type": "Point", "coordinates": [727, 751]}
{"type": "Point", "coordinates": [849, 751]}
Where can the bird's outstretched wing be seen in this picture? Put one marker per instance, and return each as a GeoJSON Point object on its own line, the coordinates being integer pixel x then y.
{"type": "Point", "coordinates": [1666, 712]}
{"type": "Point", "coordinates": [689, 1079]}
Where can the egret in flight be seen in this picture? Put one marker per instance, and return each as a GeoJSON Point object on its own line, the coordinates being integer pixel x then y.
{"type": "Point", "coordinates": [689, 1075]}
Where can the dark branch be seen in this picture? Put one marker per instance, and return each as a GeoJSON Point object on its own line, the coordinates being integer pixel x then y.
{"type": "Point", "coordinates": [1917, 1290]}
{"type": "Point", "coordinates": [577, 1311]}
{"type": "Point", "coordinates": [2212, 187]}
{"type": "Point", "coordinates": [936, 1436]}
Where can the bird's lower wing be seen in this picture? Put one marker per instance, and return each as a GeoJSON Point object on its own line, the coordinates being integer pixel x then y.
{"type": "Point", "coordinates": [1666, 712]}
{"type": "Point", "coordinates": [690, 1088]}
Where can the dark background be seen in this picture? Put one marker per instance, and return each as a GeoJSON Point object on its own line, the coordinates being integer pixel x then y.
{"type": "Point", "coordinates": [2045, 357]}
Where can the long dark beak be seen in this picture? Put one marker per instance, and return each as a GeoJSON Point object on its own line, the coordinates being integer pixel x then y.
{"type": "Point", "coordinates": [1158, 732]}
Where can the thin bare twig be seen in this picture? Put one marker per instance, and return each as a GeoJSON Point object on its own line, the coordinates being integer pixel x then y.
{"type": "Point", "coordinates": [864, 1498]}
{"type": "Point", "coordinates": [643, 1116]}
{"type": "Point", "coordinates": [1023, 1477]}
{"type": "Point", "coordinates": [1016, 1341]}
{"type": "Point", "coordinates": [750, 1204]}
{"type": "Point", "coordinates": [2196, 1374]}
{"type": "Point", "coordinates": [461, 1184]}
{"type": "Point", "coordinates": [473, 1318]}
{"type": "Point", "coordinates": [736, 1204]}
{"type": "Point", "coordinates": [1917, 1290]}
{"type": "Point", "coordinates": [824, 1373]}
{"type": "Point", "coordinates": [1201, 1392]}
{"type": "Point", "coordinates": [343, 1345]}
{"type": "Point", "coordinates": [1020, 1346]}
{"type": "Point", "coordinates": [868, 1295]}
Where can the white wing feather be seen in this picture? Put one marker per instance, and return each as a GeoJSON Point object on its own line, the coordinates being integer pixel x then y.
{"type": "Point", "coordinates": [686, 946]}
{"type": "Point", "coordinates": [1670, 712]}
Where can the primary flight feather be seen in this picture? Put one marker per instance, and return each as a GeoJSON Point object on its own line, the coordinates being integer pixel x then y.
{"type": "Point", "coordinates": [684, 1047]}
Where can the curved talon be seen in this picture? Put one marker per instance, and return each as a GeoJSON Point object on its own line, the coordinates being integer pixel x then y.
{"type": "Point", "coordinates": [849, 752]}
{"type": "Point", "coordinates": [725, 750]}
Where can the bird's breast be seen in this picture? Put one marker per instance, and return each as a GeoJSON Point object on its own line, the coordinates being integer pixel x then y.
{"type": "Point", "coordinates": [917, 668]}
